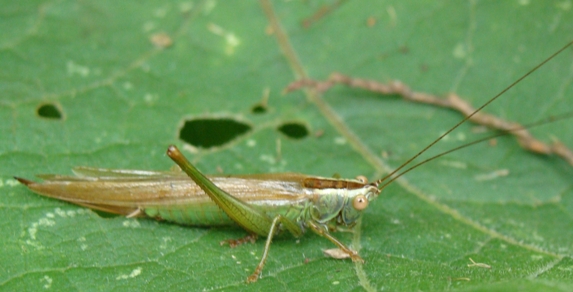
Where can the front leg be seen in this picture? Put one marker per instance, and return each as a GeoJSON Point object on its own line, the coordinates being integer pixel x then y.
{"type": "Point", "coordinates": [324, 233]}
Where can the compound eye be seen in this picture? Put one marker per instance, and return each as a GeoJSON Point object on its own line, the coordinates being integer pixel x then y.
{"type": "Point", "coordinates": [362, 179]}
{"type": "Point", "coordinates": [360, 202]}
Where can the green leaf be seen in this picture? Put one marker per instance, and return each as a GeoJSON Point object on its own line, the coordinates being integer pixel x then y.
{"type": "Point", "coordinates": [122, 100]}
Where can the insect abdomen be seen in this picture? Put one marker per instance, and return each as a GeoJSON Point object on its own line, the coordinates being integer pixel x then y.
{"type": "Point", "coordinates": [196, 215]}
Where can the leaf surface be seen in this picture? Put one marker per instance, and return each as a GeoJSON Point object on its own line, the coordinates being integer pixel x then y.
{"type": "Point", "coordinates": [123, 99]}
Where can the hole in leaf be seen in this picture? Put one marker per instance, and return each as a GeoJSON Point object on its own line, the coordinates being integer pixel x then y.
{"type": "Point", "coordinates": [49, 111]}
{"type": "Point", "coordinates": [263, 106]}
{"type": "Point", "coordinates": [294, 130]}
{"type": "Point", "coordinates": [207, 133]}
{"type": "Point", "coordinates": [259, 109]}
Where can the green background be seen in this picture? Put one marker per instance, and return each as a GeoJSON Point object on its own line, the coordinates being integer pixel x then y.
{"type": "Point", "coordinates": [123, 100]}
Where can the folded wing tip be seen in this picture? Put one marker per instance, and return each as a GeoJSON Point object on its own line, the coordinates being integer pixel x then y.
{"type": "Point", "coordinates": [23, 181]}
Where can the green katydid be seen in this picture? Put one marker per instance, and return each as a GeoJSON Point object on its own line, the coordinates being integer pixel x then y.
{"type": "Point", "coordinates": [263, 204]}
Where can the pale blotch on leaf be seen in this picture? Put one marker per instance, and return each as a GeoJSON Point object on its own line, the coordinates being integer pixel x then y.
{"type": "Point", "coordinates": [45, 221]}
{"type": "Point", "coordinates": [48, 221]}
{"type": "Point", "coordinates": [492, 175]}
{"type": "Point", "coordinates": [270, 159]}
{"type": "Point", "coordinates": [161, 40]}
{"type": "Point", "coordinates": [127, 85]}
{"type": "Point", "coordinates": [133, 274]}
{"type": "Point", "coordinates": [231, 40]}
{"type": "Point", "coordinates": [235, 258]}
{"type": "Point", "coordinates": [454, 164]}
{"type": "Point", "coordinates": [460, 51]}
{"type": "Point", "coordinates": [536, 257]}
{"type": "Point", "coordinates": [165, 242]}
{"type": "Point", "coordinates": [75, 69]}
{"type": "Point", "coordinates": [150, 98]}
{"type": "Point", "coordinates": [69, 213]}
{"type": "Point", "coordinates": [131, 224]}
{"type": "Point", "coordinates": [340, 140]}
{"type": "Point", "coordinates": [10, 183]}
{"type": "Point", "coordinates": [82, 241]}
{"type": "Point", "coordinates": [275, 164]}
{"type": "Point", "coordinates": [453, 137]}
{"type": "Point", "coordinates": [48, 281]}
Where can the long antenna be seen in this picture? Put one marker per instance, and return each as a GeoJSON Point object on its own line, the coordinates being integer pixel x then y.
{"type": "Point", "coordinates": [378, 182]}
{"type": "Point", "coordinates": [504, 133]}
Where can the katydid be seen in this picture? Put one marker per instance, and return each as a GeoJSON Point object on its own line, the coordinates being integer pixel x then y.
{"type": "Point", "coordinates": [262, 204]}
